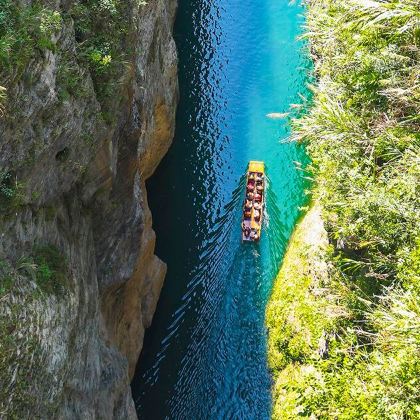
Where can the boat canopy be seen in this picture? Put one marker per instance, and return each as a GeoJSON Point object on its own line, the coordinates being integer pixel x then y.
{"type": "Point", "coordinates": [256, 166]}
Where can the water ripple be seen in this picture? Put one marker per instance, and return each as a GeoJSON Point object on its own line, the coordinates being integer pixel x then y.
{"type": "Point", "coordinates": [205, 354]}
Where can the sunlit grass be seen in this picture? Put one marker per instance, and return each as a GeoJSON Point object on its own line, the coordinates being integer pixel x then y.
{"type": "Point", "coordinates": [363, 135]}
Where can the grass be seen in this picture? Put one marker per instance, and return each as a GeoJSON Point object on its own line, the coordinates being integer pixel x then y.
{"type": "Point", "coordinates": [3, 97]}
{"type": "Point", "coordinates": [292, 304]}
{"type": "Point", "coordinates": [24, 33]}
{"type": "Point", "coordinates": [362, 132]}
{"type": "Point", "coordinates": [28, 32]}
{"type": "Point", "coordinates": [51, 273]}
{"type": "Point", "coordinates": [11, 196]}
{"type": "Point", "coordinates": [26, 289]}
{"type": "Point", "coordinates": [102, 28]}
{"type": "Point", "coordinates": [325, 360]}
{"type": "Point", "coordinates": [302, 317]}
{"type": "Point", "coordinates": [45, 269]}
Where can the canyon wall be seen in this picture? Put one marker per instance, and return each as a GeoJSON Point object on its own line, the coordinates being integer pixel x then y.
{"type": "Point", "coordinates": [80, 280]}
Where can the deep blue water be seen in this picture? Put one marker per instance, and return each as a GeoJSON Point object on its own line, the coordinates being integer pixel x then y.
{"type": "Point", "coordinates": [204, 356]}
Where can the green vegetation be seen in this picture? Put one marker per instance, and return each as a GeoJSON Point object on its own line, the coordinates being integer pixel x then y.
{"type": "Point", "coordinates": [70, 78]}
{"type": "Point", "coordinates": [2, 100]}
{"type": "Point", "coordinates": [24, 32]}
{"type": "Point", "coordinates": [51, 273]}
{"type": "Point", "coordinates": [346, 344]}
{"type": "Point", "coordinates": [24, 288]}
{"type": "Point", "coordinates": [11, 196]}
{"type": "Point", "coordinates": [46, 268]}
{"type": "Point", "coordinates": [101, 30]}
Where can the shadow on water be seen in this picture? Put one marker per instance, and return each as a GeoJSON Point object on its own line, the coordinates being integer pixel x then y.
{"type": "Point", "coordinates": [225, 351]}
{"type": "Point", "coordinates": [205, 353]}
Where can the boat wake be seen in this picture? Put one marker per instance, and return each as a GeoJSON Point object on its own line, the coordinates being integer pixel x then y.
{"type": "Point", "coordinates": [225, 351]}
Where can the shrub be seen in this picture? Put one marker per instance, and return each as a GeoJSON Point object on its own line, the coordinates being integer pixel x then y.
{"type": "Point", "coordinates": [362, 132]}
{"type": "Point", "coordinates": [11, 196]}
{"type": "Point", "coordinates": [24, 30]}
{"type": "Point", "coordinates": [51, 271]}
{"type": "Point", "coordinates": [101, 29]}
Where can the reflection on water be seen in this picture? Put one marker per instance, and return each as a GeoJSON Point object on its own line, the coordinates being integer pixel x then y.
{"type": "Point", "coordinates": [205, 354]}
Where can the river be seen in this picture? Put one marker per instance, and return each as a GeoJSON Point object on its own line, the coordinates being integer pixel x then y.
{"type": "Point", "coordinates": [205, 354]}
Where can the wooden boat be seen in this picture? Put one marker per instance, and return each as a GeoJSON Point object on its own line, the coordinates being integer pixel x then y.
{"type": "Point", "coordinates": [252, 218]}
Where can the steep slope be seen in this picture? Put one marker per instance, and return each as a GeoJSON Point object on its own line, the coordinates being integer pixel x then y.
{"type": "Point", "coordinates": [346, 344]}
{"type": "Point", "coordinates": [88, 112]}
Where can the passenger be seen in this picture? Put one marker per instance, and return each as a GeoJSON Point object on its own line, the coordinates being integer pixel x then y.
{"type": "Point", "coordinates": [257, 215]}
{"type": "Point", "coordinates": [250, 187]}
{"type": "Point", "coordinates": [256, 236]}
{"type": "Point", "coordinates": [250, 195]}
{"type": "Point", "coordinates": [248, 204]}
{"type": "Point", "coordinates": [257, 197]}
{"type": "Point", "coordinates": [247, 214]}
{"type": "Point", "coordinates": [257, 206]}
{"type": "Point", "coordinates": [251, 175]}
{"type": "Point", "coordinates": [247, 232]}
{"type": "Point", "coordinates": [253, 233]}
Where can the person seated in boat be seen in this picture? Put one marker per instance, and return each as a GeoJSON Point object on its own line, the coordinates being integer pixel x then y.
{"type": "Point", "coordinates": [257, 197]}
{"type": "Point", "coordinates": [248, 204]}
{"type": "Point", "coordinates": [260, 188]}
{"type": "Point", "coordinates": [247, 214]}
{"type": "Point", "coordinates": [254, 234]}
{"type": "Point", "coordinates": [257, 215]}
{"type": "Point", "coordinates": [247, 232]}
{"type": "Point", "coordinates": [257, 206]}
{"type": "Point", "coordinates": [251, 175]}
{"type": "Point", "coordinates": [251, 184]}
{"type": "Point", "coordinates": [250, 195]}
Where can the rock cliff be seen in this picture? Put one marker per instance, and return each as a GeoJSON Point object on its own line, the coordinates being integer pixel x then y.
{"type": "Point", "coordinates": [89, 112]}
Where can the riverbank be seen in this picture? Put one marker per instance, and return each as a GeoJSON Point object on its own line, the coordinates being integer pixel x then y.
{"type": "Point", "coordinates": [344, 341]}
{"type": "Point", "coordinates": [301, 313]}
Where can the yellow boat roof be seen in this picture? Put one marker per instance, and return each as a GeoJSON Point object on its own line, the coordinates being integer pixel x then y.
{"type": "Point", "coordinates": [255, 225]}
{"type": "Point", "coordinates": [256, 166]}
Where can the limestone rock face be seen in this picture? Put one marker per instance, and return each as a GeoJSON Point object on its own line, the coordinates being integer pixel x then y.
{"type": "Point", "coordinates": [80, 178]}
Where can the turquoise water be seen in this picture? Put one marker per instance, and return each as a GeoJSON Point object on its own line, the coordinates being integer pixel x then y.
{"type": "Point", "coordinates": [205, 356]}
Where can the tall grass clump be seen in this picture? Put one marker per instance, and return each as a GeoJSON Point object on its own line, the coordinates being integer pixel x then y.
{"type": "Point", "coordinates": [363, 135]}
{"type": "Point", "coordinates": [26, 32]}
